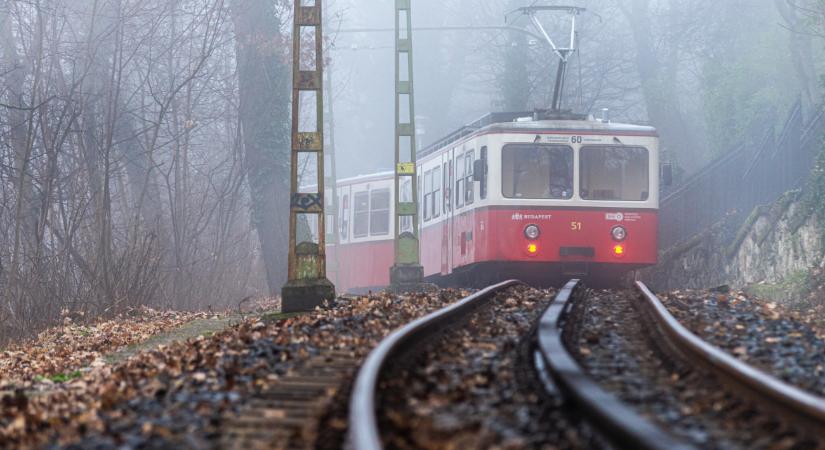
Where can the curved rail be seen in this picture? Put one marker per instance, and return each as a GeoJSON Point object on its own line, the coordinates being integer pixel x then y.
{"type": "Point", "coordinates": [364, 433]}
{"type": "Point", "coordinates": [617, 422]}
{"type": "Point", "coordinates": [766, 388]}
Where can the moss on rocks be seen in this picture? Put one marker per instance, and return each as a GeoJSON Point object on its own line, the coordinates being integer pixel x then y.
{"type": "Point", "coordinates": [793, 287]}
{"type": "Point", "coordinates": [814, 201]}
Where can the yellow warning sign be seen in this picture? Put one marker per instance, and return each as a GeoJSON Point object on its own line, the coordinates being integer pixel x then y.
{"type": "Point", "coordinates": [406, 169]}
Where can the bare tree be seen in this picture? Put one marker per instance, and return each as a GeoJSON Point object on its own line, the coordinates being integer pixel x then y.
{"type": "Point", "coordinates": [801, 49]}
{"type": "Point", "coordinates": [122, 168]}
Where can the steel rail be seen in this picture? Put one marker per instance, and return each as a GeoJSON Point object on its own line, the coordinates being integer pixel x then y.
{"type": "Point", "coordinates": [802, 405]}
{"type": "Point", "coordinates": [616, 421]}
{"type": "Point", "coordinates": [364, 434]}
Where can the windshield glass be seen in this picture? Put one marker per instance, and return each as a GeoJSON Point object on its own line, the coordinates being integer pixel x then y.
{"type": "Point", "coordinates": [615, 173]}
{"type": "Point", "coordinates": [537, 171]}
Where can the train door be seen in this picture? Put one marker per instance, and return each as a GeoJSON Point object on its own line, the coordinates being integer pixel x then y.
{"type": "Point", "coordinates": [445, 207]}
{"type": "Point", "coordinates": [449, 222]}
{"type": "Point", "coordinates": [343, 276]}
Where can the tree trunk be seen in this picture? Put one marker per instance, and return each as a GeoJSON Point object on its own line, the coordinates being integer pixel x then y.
{"type": "Point", "coordinates": [264, 84]}
{"type": "Point", "coordinates": [802, 56]}
{"type": "Point", "coordinates": [658, 76]}
{"type": "Point", "coordinates": [20, 124]}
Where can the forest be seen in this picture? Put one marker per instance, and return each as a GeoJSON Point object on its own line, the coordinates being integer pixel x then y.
{"type": "Point", "coordinates": [145, 144]}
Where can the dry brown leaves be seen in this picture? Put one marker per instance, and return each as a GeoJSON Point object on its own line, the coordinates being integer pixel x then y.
{"type": "Point", "coordinates": [220, 363]}
{"type": "Point", "coordinates": [816, 299]}
{"type": "Point", "coordinates": [60, 351]}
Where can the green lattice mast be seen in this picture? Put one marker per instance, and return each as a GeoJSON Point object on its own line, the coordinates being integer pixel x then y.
{"type": "Point", "coordinates": [407, 273]}
{"type": "Point", "coordinates": [307, 286]}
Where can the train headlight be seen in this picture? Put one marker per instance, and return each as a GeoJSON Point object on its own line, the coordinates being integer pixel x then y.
{"type": "Point", "coordinates": [619, 233]}
{"type": "Point", "coordinates": [532, 232]}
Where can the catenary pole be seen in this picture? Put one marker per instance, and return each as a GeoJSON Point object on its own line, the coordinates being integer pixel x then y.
{"type": "Point", "coordinates": [307, 286]}
{"type": "Point", "coordinates": [407, 273]}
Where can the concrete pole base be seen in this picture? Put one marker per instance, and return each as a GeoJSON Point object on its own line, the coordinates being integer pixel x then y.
{"type": "Point", "coordinates": [306, 295]}
{"type": "Point", "coordinates": [406, 279]}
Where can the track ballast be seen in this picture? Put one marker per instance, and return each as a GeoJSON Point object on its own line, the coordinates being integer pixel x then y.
{"type": "Point", "coordinates": [482, 373]}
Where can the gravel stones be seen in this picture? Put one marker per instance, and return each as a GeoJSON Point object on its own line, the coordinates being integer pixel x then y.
{"type": "Point", "coordinates": [613, 344]}
{"type": "Point", "coordinates": [757, 332]}
{"type": "Point", "coordinates": [473, 387]}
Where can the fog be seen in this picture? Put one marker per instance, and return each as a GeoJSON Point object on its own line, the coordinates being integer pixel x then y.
{"type": "Point", "coordinates": [145, 144]}
{"type": "Point", "coordinates": [681, 57]}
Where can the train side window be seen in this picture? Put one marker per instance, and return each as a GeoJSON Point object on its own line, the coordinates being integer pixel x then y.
{"type": "Point", "coordinates": [436, 192]}
{"type": "Point", "coordinates": [428, 195]}
{"type": "Point", "coordinates": [459, 181]}
{"type": "Point", "coordinates": [343, 221]}
{"type": "Point", "coordinates": [380, 212]}
{"type": "Point", "coordinates": [469, 193]}
{"type": "Point", "coordinates": [361, 222]}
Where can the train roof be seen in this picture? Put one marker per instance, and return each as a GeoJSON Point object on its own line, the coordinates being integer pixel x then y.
{"type": "Point", "coordinates": [540, 120]}
{"type": "Point", "coordinates": [504, 122]}
{"type": "Point", "coordinates": [364, 178]}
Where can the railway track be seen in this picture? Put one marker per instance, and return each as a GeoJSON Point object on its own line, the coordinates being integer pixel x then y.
{"type": "Point", "coordinates": [461, 378]}
{"type": "Point", "coordinates": [633, 379]}
{"type": "Point", "coordinates": [291, 413]}
{"type": "Point", "coordinates": [632, 347]}
{"type": "Point", "coordinates": [798, 405]}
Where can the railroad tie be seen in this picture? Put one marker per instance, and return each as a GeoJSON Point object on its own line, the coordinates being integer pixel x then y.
{"type": "Point", "coordinates": [288, 414]}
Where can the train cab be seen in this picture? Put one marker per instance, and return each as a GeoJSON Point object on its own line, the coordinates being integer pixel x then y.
{"type": "Point", "coordinates": [516, 195]}
{"type": "Point", "coordinates": [541, 197]}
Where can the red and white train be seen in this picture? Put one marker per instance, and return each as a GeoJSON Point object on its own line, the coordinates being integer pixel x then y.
{"type": "Point", "coordinates": [512, 196]}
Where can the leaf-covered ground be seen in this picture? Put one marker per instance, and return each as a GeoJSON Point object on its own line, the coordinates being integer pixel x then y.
{"type": "Point", "coordinates": [801, 292]}
{"type": "Point", "coordinates": [174, 396]}
{"type": "Point", "coordinates": [61, 353]}
{"type": "Point", "coordinates": [816, 299]}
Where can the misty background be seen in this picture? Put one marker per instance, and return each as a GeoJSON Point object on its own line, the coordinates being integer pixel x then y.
{"type": "Point", "coordinates": [144, 144]}
{"type": "Point", "coordinates": [705, 73]}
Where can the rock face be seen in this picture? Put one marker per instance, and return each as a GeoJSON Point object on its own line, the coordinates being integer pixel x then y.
{"type": "Point", "coordinates": [771, 252]}
{"type": "Point", "coordinates": [775, 244]}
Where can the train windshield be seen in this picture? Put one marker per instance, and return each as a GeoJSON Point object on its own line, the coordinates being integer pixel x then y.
{"type": "Point", "coordinates": [615, 173]}
{"type": "Point", "coordinates": [537, 171]}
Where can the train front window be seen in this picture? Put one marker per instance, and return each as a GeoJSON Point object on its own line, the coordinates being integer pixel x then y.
{"type": "Point", "coordinates": [615, 173]}
{"type": "Point", "coordinates": [537, 171]}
